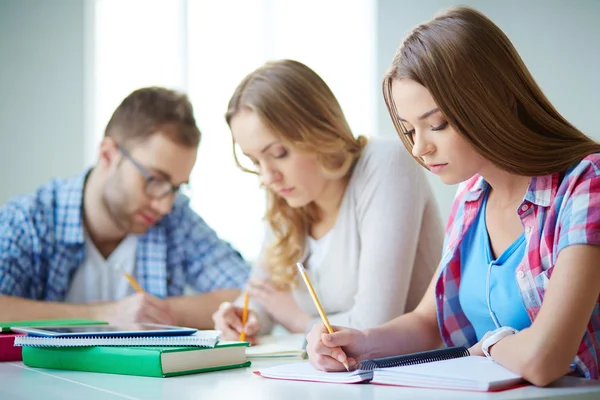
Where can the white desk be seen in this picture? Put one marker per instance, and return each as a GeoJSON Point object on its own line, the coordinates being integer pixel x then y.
{"type": "Point", "coordinates": [20, 382]}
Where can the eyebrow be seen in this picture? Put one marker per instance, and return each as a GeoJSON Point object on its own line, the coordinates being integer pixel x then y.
{"type": "Point", "coordinates": [422, 117]}
{"type": "Point", "coordinates": [167, 176]}
{"type": "Point", "coordinates": [164, 174]}
{"type": "Point", "coordinates": [268, 146]}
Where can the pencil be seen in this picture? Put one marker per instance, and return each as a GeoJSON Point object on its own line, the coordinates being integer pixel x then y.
{"type": "Point", "coordinates": [313, 294]}
{"type": "Point", "coordinates": [133, 283]}
{"type": "Point", "coordinates": [244, 318]}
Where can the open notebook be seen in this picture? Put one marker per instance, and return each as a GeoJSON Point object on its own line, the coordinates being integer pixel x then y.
{"type": "Point", "coordinates": [207, 338]}
{"type": "Point", "coordinates": [450, 368]}
{"type": "Point", "coordinates": [278, 346]}
{"type": "Point", "coordinates": [303, 371]}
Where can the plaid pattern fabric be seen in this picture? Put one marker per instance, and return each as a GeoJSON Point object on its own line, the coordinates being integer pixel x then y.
{"type": "Point", "coordinates": [42, 244]}
{"type": "Point", "coordinates": [558, 210]}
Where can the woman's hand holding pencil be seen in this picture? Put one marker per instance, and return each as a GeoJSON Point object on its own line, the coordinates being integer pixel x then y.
{"type": "Point", "coordinates": [325, 342]}
{"type": "Point", "coordinates": [328, 351]}
{"type": "Point", "coordinates": [244, 317]}
{"type": "Point", "coordinates": [229, 320]}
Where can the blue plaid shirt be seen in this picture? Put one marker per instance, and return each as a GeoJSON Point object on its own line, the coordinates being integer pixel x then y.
{"type": "Point", "coordinates": [42, 245]}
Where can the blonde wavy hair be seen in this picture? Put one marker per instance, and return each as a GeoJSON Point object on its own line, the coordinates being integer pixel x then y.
{"type": "Point", "coordinates": [480, 83]}
{"type": "Point", "coordinates": [296, 104]}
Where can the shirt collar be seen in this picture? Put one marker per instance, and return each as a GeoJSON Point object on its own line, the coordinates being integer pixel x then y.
{"type": "Point", "coordinates": [476, 187]}
{"type": "Point", "coordinates": [69, 210]}
{"type": "Point", "coordinates": [541, 190]}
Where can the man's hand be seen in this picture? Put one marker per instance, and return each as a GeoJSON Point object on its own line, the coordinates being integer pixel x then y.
{"type": "Point", "coordinates": [139, 307]}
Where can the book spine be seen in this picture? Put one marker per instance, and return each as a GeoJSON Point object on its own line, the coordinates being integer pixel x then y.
{"type": "Point", "coordinates": [221, 368]}
{"type": "Point", "coordinates": [110, 360]}
{"type": "Point", "coordinates": [12, 354]}
{"type": "Point", "coordinates": [8, 352]}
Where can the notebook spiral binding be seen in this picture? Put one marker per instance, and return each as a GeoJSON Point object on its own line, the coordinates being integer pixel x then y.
{"type": "Point", "coordinates": [415, 358]}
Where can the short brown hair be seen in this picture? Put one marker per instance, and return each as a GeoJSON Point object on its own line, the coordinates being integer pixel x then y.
{"type": "Point", "coordinates": [145, 110]}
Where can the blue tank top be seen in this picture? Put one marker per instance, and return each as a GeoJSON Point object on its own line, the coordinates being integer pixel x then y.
{"type": "Point", "coordinates": [505, 306]}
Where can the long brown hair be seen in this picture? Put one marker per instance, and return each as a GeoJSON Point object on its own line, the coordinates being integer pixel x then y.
{"type": "Point", "coordinates": [292, 100]}
{"type": "Point", "coordinates": [480, 83]}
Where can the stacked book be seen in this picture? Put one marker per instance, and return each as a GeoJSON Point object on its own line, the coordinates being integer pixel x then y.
{"type": "Point", "coordinates": [139, 349]}
{"type": "Point", "coordinates": [10, 352]}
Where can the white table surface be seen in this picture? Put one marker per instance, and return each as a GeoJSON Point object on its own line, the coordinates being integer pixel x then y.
{"type": "Point", "coordinates": [20, 382]}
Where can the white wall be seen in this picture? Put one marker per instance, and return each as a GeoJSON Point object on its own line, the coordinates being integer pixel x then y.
{"type": "Point", "coordinates": [44, 67]}
{"type": "Point", "coordinates": [41, 92]}
{"type": "Point", "coordinates": [559, 40]}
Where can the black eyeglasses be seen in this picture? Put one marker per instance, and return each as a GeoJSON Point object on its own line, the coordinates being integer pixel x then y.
{"type": "Point", "coordinates": [155, 188]}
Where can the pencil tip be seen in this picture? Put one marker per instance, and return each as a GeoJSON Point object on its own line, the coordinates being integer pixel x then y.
{"type": "Point", "coordinates": [346, 366]}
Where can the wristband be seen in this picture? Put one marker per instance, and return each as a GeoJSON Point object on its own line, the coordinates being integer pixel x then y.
{"type": "Point", "coordinates": [494, 338]}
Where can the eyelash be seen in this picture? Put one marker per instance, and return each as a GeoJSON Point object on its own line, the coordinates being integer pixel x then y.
{"type": "Point", "coordinates": [282, 155]}
{"type": "Point", "coordinates": [440, 127]}
{"type": "Point", "coordinates": [433, 128]}
{"type": "Point", "coordinates": [278, 156]}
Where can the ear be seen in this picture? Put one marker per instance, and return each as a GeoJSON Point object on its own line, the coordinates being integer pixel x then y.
{"type": "Point", "coordinates": [109, 153]}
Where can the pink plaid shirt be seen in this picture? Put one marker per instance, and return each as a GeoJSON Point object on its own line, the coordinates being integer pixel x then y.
{"type": "Point", "coordinates": [558, 210]}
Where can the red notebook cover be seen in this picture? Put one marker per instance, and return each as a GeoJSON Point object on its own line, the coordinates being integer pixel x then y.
{"type": "Point", "coordinates": [8, 350]}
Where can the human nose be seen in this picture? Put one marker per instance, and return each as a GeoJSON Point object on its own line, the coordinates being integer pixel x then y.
{"type": "Point", "coordinates": [421, 145]}
{"type": "Point", "coordinates": [269, 175]}
{"type": "Point", "coordinates": [163, 205]}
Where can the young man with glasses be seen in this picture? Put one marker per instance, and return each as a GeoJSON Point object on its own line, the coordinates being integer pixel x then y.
{"type": "Point", "coordinates": [66, 249]}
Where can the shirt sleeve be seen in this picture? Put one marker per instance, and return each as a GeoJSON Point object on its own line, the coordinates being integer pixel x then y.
{"type": "Point", "coordinates": [393, 198]}
{"type": "Point", "coordinates": [212, 263]}
{"type": "Point", "coordinates": [17, 242]}
{"type": "Point", "coordinates": [579, 215]}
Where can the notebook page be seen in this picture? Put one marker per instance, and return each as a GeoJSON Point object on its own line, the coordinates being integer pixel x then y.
{"type": "Point", "coordinates": [303, 371]}
{"type": "Point", "coordinates": [274, 350]}
{"type": "Point", "coordinates": [281, 346]}
{"type": "Point", "coordinates": [476, 373]}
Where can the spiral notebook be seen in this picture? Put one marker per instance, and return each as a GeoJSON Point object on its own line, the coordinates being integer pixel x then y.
{"type": "Point", "coordinates": [207, 338]}
{"type": "Point", "coordinates": [449, 368]}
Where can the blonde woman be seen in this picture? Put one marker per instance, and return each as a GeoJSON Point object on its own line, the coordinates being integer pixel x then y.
{"type": "Point", "coordinates": [519, 277]}
{"type": "Point", "coordinates": [359, 213]}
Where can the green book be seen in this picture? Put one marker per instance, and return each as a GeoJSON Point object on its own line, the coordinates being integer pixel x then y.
{"type": "Point", "coordinates": [141, 361]}
{"type": "Point", "coordinates": [5, 325]}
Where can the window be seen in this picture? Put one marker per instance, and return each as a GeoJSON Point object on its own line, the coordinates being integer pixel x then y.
{"type": "Point", "coordinates": [206, 48]}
